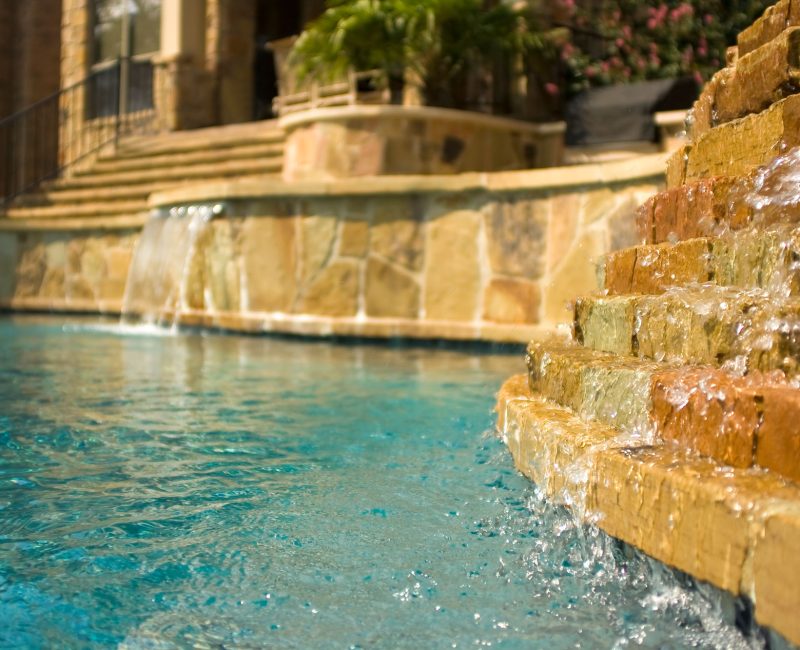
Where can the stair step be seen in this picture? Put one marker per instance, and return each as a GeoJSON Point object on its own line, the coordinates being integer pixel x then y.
{"type": "Point", "coordinates": [703, 324]}
{"type": "Point", "coordinates": [690, 512]}
{"type": "Point", "coordinates": [738, 147]}
{"type": "Point", "coordinates": [112, 193]}
{"type": "Point", "coordinates": [174, 174]}
{"type": "Point", "coordinates": [261, 152]}
{"type": "Point", "coordinates": [757, 80]}
{"type": "Point", "coordinates": [749, 259]}
{"type": "Point", "coordinates": [228, 136]}
{"type": "Point", "coordinates": [597, 386]}
{"type": "Point", "coordinates": [738, 421]}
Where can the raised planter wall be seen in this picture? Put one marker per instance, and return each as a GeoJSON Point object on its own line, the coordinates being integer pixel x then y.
{"type": "Point", "coordinates": [350, 141]}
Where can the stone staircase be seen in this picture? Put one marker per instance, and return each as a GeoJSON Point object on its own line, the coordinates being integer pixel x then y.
{"type": "Point", "coordinates": [117, 186]}
{"type": "Point", "coordinates": [670, 415]}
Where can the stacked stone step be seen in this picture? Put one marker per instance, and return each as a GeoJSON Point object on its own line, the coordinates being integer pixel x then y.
{"type": "Point", "coordinates": [119, 184]}
{"type": "Point", "coordinates": [685, 367]}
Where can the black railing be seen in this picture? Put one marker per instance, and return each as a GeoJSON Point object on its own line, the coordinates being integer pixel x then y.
{"type": "Point", "coordinates": [45, 139]}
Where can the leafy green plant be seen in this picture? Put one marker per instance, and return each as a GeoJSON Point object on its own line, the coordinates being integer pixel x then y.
{"type": "Point", "coordinates": [441, 41]}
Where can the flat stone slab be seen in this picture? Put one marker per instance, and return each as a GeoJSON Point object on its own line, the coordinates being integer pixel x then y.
{"type": "Point", "coordinates": [757, 80]}
{"type": "Point", "coordinates": [738, 147]}
{"type": "Point", "coordinates": [706, 324]}
{"type": "Point", "coordinates": [775, 19]}
{"type": "Point", "coordinates": [739, 530]}
{"type": "Point", "coordinates": [697, 209]}
{"type": "Point", "coordinates": [753, 258]}
{"type": "Point", "coordinates": [739, 421]}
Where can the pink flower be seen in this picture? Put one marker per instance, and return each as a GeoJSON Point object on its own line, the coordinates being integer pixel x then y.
{"type": "Point", "coordinates": [551, 88]}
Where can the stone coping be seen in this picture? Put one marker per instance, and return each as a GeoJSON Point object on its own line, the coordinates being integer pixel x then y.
{"type": "Point", "coordinates": [72, 224]}
{"type": "Point", "coordinates": [309, 325]}
{"type": "Point", "coordinates": [551, 178]}
{"type": "Point", "coordinates": [670, 118]}
{"type": "Point", "coordinates": [427, 113]}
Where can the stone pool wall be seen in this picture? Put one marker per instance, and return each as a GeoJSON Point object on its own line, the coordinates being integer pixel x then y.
{"type": "Point", "coordinates": [670, 417]}
{"type": "Point", "coordinates": [467, 257]}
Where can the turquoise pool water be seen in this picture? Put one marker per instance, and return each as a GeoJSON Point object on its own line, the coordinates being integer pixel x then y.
{"type": "Point", "coordinates": [235, 492]}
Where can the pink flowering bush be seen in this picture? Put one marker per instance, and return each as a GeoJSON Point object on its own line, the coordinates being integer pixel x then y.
{"type": "Point", "coordinates": [627, 40]}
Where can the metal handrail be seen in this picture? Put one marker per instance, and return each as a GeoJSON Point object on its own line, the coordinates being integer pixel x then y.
{"type": "Point", "coordinates": [52, 135]}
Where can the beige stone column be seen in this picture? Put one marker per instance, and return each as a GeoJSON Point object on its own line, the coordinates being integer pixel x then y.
{"type": "Point", "coordinates": [182, 85]}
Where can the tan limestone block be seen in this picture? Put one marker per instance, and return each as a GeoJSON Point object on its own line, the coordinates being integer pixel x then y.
{"type": "Point", "coordinates": [93, 259]}
{"type": "Point", "coordinates": [706, 326]}
{"type": "Point", "coordinates": [453, 269]}
{"type": "Point", "coordinates": [605, 324]}
{"type": "Point", "coordinates": [31, 267]}
{"type": "Point", "coordinates": [75, 248]}
{"type": "Point", "coordinates": [596, 385]}
{"type": "Point", "coordinates": [621, 221]}
{"type": "Point", "coordinates": [56, 252]}
{"type": "Point", "coordinates": [778, 444]}
{"type": "Point", "coordinates": [269, 258]}
{"type": "Point", "coordinates": [555, 448]}
{"type": "Point", "coordinates": [776, 574]}
{"type": "Point", "coordinates": [697, 209]}
{"type": "Point", "coordinates": [118, 262]}
{"type": "Point", "coordinates": [618, 393]}
{"type": "Point", "coordinates": [111, 290]}
{"type": "Point", "coordinates": [517, 237]}
{"type": "Point", "coordinates": [654, 268]}
{"type": "Point", "coordinates": [708, 411]}
{"type": "Point", "coordinates": [514, 388]}
{"type": "Point", "coordinates": [390, 292]}
{"type": "Point", "coordinates": [676, 167]}
{"type": "Point", "coordinates": [773, 21]}
{"type": "Point", "coordinates": [598, 204]}
{"type": "Point", "coordinates": [556, 371]}
{"type": "Point", "coordinates": [661, 266]}
{"type": "Point", "coordinates": [397, 232]}
{"type": "Point", "coordinates": [757, 258]}
{"type": "Point", "coordinates": [353, 238]}
{"type": "Point", "coordinates": [682, 510]}
{"type": "Point", "coordinates": [702, 117]}
{"type": "Point", "coordinates": [506, 300]}
{"type": "Point", "coordinates": [334, 291]}
{"type": "Point", "coordinates": [53, 284]}
{"type": "Point", "coordinates": [78, 288]}
{"type": "Point", "coordinates": [217, 268]}
{"type": "Point", "coordinates": [318, 237]}
{"type": "Point", "coordinates": [761, 78]}
{"type": "Point", "coordinates": [738, 147]}
{"type": "Point", "coordinates": [563, 228]}
{"type": "Point", "coordinates": [645, 220]}
{"type": "Point", "coordinates": [618, 270]}
{"type": "Point", "coordinates": [575, 276]}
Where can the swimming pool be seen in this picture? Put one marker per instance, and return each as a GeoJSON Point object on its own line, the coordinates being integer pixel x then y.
{"type": "Point", "coordinates": [164, 491]}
